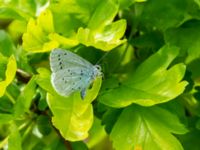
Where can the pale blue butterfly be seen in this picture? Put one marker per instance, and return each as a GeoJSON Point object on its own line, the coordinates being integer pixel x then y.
{"type": "Point", "coordinates": [71, 73]}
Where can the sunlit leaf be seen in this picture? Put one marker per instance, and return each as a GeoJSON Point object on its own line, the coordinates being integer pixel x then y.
{"type": "Point", "coordinates": [76, 113]}
{"type": "Point", "coordinates": [151, 83]}
{"type": "Point", "coordinates": [105, 39]}
{"type": "Point", "coordinates": [146, 128]}
{"type": "Point", "coordinates": [101, 32]}
{"type": "Point", "coordinates": [36, 38]}
{"type": "Point", "coordinates": [9, 74]}
{"type": "Point", "coordinates": [18, 9]}
{"type": "Point", "coordinates": [98, 21]}
{"type": "Point", "coordinates": [66, 42]}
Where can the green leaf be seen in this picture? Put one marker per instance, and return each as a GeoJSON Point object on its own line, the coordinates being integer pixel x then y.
{"type": "Point", "coordinates": [36, 38]}
{"type": "Point", "coordinates": [96, 134]}
{"type": "Point", "coordinates": [101, 32]}
{"type": "Point", "coordinates": [14, 141]}
{"type": "Point", "coordinates": [163, 14]}
{"type": "Point", "coordinates": [75, 112]}
{"type": "Point", "coordinates": [98, 21]}
{"type": "Point", "coordinates": [189, 44]}
{"type": "Point", "coordinates": [6, 106]}
{"type": "Point", "coordinates": [124, 4]}
{"type": "Point", "coordinates": [25, 98]}
{"type": "Point", "coordinates": [78, 117]}
{"type": "Point", "coordinates": [151, 83]}
{"type": "Point", "coordinates": [9, 74]}
{"type": "Point", "coordinates": [5, 118]}
{"type": "Point", "coordinates": [43, 80]}
{"type": "Point", "coordinates": [109, 118]}
{"type": "Point", "coordinates": [190, 140]}
{"type": "Point", "coordinates": [105, 39]}
{"type": "Point", "coordinates": [55, 144]}
{"type": "Point", "coordinates": [43, 124]}
{"type": "Point", "coordinates": [13, 9]}
{"type": "Point", "coordinates": [67, 21]}
{"type": "Point", "coordinates": [3, 65]}
{"type": "Point", "coordinates": [146, 128]}
{"type": "Point", "coordinates": [9, 13]}
{"type": "Point", "coordinates": [7, 47]}
{"type": "Point", "coordinates": [63, 41]}
{"type": "Point", "coordinates": [79, 145]}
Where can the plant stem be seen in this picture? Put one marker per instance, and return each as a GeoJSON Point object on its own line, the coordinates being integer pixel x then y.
{"type": "Point", "coordinates": [10, 97]}
{"type": "Point", "coordinates": [4, 142]}
{"type": "Point", "coordinates": [23, 76]}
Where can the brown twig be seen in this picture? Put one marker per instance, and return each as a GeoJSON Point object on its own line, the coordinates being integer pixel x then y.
{"type": "Point", "coordinates": [23, 76]}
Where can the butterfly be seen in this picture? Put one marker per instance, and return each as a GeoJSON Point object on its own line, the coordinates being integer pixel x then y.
{"type": "Point", "coordinates": [71, 73]}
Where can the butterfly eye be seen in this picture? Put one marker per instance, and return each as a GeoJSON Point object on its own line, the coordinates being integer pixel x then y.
{"type": "Point", "coordinates": [98, 67]}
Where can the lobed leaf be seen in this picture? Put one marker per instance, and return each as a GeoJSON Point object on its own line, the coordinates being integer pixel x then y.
{"type": "Point", "coordinates": [67, 21]}
{"type": "Point", "coordinates": [147, 128]}
{"type": "Point", "coordinates": [189, 44]}
{"type": "Point", "coordinates": [151, 83]}
{"type": "Point", "coordinates": [36, 37]}
{"type": "Point", "coordinates": [105, 39]}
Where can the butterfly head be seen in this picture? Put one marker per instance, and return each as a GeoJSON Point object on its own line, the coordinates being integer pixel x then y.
{"type": "Point", "coordinates": [97, 71]}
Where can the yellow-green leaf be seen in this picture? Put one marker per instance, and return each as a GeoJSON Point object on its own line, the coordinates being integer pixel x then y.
{"type": "Point", "coordinates": [72, 116]}
{"type": "Point", "coordinates": [36, 38]}
{"type": "Point", "coordinates": [105, 39]}
{"type": "Point", "coordinates": [9, 74]}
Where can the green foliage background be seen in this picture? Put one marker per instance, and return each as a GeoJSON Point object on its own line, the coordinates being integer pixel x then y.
{"type": "Point", "coordinates": [148, 98]}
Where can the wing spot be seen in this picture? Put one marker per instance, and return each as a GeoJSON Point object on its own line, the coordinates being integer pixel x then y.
{"type": "Point", "coordinates": [68, 70]}
{"type": "Point", "coordinates": [60, 67]}
{"type": "Point", "coordinates": [80, 78]}
{"type": "Point", "coordinates": [79, 87]}
{"type": "Point", "coordinates": [65, 53]}
{"type": "Point", "coordinates": [81, 72]}
{"type": "Point", "coordinates": [60, 63]}
{"type": "Point", "coordinates": [71, 73]}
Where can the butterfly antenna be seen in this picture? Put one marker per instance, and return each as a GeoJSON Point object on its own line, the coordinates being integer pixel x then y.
{"type": "Point", "coordinates": [102, 58]}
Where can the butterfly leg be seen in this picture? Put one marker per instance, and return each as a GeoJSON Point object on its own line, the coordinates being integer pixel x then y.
{"type": "Point", "coordinates": [83, 93]}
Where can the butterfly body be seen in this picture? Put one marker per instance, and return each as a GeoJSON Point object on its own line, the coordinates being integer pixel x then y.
{"type": "Point", "coordinates": [71, 73]}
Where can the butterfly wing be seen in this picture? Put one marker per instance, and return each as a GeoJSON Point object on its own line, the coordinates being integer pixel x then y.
{"type": "Point", "coordinates": [63, 59]}
{"type": "Point", "coordinates": [70, 72]}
